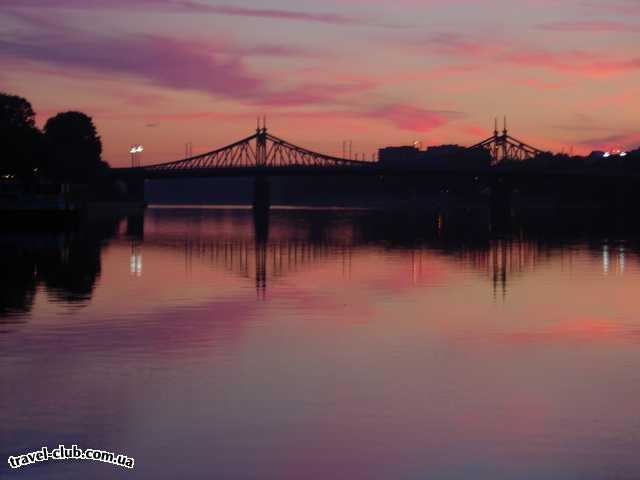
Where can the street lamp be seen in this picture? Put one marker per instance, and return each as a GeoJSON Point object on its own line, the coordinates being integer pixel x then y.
{"type": "Point", "coordinates": [134, 151]}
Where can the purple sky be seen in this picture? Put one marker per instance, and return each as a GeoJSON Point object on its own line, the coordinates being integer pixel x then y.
{"type": "Point", "coordinates": [166, 72]}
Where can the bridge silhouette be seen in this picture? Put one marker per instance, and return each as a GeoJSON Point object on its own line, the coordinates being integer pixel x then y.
{"type": "Point", "coordinates": [263, 155]}
{"type": "Point", "coordinates": [503, 147]}
{"type": "Point", "coordinates": [260, 153]}
{"type": "Point", "coordinates": [267, 155]}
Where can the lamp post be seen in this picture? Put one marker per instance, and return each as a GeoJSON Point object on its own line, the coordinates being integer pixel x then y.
{"type": "Point", "coordinates": [134, 151]}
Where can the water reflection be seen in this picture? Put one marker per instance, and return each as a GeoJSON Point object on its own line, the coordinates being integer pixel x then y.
{"type": "Point", "coordinates": [239, 242]}
{"type": "Point", "coordinates": [263, 247]}
{"type": "Point", "coordinates": [66, 264]}
{"type": "Point", "coordinates": [407, 344]}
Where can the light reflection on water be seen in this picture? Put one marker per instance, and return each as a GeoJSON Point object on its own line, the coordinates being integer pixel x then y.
{"type": "Point", "coordinates": [211, 343]}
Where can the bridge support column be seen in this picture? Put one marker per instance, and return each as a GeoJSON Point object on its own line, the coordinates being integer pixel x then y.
{"type": "Point", "coordinates": [261, 194]}
{"type": "Point", "coordinates": [134, 188]}
{"type": "Point", "coordinates": [135, 226]}
{"type": "Point", "coordinates": [500, 203]}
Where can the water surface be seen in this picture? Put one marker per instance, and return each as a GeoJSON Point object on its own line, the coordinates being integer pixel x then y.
{"type": "Point", "coordinates": [213, 343]}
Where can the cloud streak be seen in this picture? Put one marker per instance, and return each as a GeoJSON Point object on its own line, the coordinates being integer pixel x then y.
{"type": "Point", "coordinates": [164, 61]}
{"type": "Point", "coordinates": [625, 141]}
{"type": "Point", "coordinates": [581, 62]}
{"type": "Point", "coordinates": [213, 67]}
{"type": "Point", "coordinates": [188, 6]}
{"type": "Point", "coordinates": [410, 118]}
{"type": "Point", "coordinates": [590, 27]}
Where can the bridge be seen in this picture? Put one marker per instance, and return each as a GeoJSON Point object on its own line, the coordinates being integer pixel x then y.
{"type": "Point", "coordinates": [503, 147]}
{"type": "Point", "coordinates": [258, 154]}
{"type": "Point", "coordinates": [264, 154]}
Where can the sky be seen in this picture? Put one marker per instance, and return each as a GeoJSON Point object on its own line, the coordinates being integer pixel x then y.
{"type": "Point", "coordinates": [566, 73]}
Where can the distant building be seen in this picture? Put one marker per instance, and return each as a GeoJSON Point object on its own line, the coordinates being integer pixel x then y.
{"type": "Point", "coordinates": [398, 155]}
{"type": "Point", "coordinates": [440, 156]}
{"type": "Point", "coordinates": [445, 151]}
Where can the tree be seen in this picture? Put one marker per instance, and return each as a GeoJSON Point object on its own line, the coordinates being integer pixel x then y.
{"type": "Point", "coordinates": [20, 139]}
{"type": "Point", "coordinates": [74, 148]}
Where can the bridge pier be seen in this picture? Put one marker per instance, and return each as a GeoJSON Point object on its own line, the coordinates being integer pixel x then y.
{"type": "Point", "coordinates": [261, 194]}
{"type": "Point", "coordinates": [500, 204]}
{"type": "Point", "coordinates": [135, 226]}
{"type": "Point", "coordinates": [132, 187]}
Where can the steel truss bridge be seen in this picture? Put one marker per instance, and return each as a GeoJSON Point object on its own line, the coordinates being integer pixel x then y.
{"type": "Point", "coordinates": [264, 154]}
{"type": "Point", "coordinates": [260, 153]}
{"type": "Point", "coordinates": [503, 147]}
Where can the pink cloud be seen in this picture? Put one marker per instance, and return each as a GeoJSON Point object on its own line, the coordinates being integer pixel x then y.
{"type": "Point", "coordinates": [574, 62]}
{"type": "Point", "coordinates": [626, 141]}
{"type": "Point", "coordinates": [615, 7]}
{"type": "Point", "coordinates": [476, 131]}
{"type": "Point", "coordinates": [355, 119]}
{"type": "Point", "coordinates": [267, 13]}
{"type": "Point", "coordinates": [447, 43]}
{"type": "Point", "coordinates": [161, 60]}
{"type": "Point", "coordinates": [407, 117]}
{"type": "Point", "coordinates": [590, 27]}
{"type": "Point", "coordinates": [470, 48]}
{"type": "Point", "coordinates": [214, 67]}
{"type": "Point", "coordinates": [545, 85]}
{"type": "Point", "coordinates": [315, 93]}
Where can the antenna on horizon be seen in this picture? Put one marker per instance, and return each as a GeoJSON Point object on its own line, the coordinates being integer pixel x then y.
{"type": "Point", "coordinates": [495, 128]}
{"type": "Point", "coordinates": [505, 126]}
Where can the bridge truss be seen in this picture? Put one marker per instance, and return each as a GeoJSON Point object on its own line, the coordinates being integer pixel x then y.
{"type": "Point", "coordinates": [504, 147]}
{"type": "Point", "coordinates": [259, 151]}
{"type": "Point", "coordinates": [265, 154]}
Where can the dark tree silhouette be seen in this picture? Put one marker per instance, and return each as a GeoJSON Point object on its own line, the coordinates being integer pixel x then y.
{"type": "Point", "coordinates": [74, 148]}
{"type": "Point", "coordinates": [20, 140]}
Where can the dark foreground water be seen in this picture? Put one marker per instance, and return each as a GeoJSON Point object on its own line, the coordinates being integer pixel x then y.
{"type": "Point", "coordinates": [317, 344]}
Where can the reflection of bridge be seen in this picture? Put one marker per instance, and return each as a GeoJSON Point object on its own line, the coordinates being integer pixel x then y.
{"type": "Point", "coordinates": [264, 261]}
{"type": "Point", "coordinates": [505, 259]}
{"type": "Point", "coordinates": [259, 261]}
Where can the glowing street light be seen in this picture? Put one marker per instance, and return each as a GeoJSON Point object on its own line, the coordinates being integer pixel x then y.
{"type": "Point", "coordinates": [614, 153]}
{"type": "Point", "coordinates": [134, 151]}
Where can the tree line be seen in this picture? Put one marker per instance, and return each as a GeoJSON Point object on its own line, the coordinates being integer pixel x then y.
{"type": "Point", "coordinates": [68, 149]}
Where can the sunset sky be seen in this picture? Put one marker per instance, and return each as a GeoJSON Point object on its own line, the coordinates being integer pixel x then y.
{"type": "Point", "coordinates": [377, 72]}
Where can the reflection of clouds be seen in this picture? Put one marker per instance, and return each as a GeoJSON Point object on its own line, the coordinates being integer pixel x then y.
{"type": "Point", "coordinates": [586, 330]}
{"type": "Point", "coordinates": [502, 260]}
{"type": "Point", "coordinates": [352, 363]}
